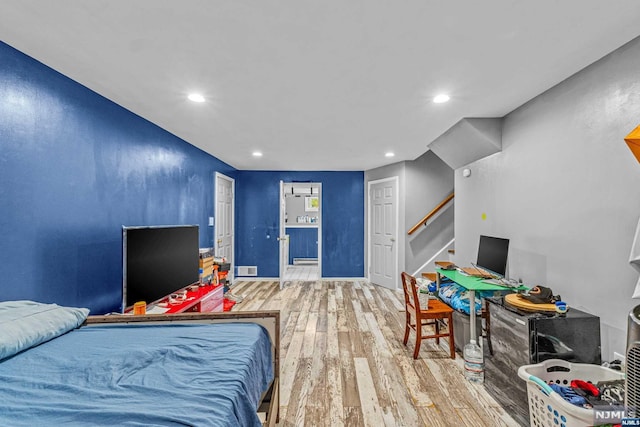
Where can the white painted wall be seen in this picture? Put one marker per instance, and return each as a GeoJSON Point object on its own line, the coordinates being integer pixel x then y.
{"type": "Point", "coordinates": [423, 183]}
{"type": "Point", "coordinates": [429, 180]}
{"type": "Point", "coordinates": [566, 191]}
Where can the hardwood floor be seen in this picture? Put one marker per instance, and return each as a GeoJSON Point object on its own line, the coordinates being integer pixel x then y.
{"type": "Point", "coordinates": [342, 361]}
{"type": "Point", "coordinates": [304, 272]}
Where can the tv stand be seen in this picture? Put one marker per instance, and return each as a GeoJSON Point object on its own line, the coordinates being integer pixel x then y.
{"type": "Point", "coordinates": [205, 299]}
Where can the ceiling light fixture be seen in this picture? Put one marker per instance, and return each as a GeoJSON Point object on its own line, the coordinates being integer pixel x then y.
{"type": "Point", "coordinates": [389, 154]}
{"type": "Point", "coordinates": [257, 154]}
{"type": "Point", "coordinates": [196, 97]}
{"type": "Point", "coordinates": [441, 98]}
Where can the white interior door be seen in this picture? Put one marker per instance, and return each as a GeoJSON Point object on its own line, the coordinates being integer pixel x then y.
{"type": "Point", "coordinates": [283, 243]}
{"type": "Point", "coordinates": [320, 221]}
{"type": "Point", "coordinates": [383, 232]}
{"type": "Point", "coordinates": [224, 219]}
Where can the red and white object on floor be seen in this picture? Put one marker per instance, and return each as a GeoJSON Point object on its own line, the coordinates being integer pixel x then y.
{"type": "Point", "coordinates": [228, 304]}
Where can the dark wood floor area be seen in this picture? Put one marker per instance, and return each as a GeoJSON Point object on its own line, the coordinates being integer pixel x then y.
{"type": "Point", "coordinates": [343, 362]}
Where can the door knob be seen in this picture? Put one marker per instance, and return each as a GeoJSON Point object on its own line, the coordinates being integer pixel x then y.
{"type": "Point", "coordinates": [392, 239]}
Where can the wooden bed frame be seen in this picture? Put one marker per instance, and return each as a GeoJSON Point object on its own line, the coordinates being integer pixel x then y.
{"type": "Point", "coordinates": [269, 407]}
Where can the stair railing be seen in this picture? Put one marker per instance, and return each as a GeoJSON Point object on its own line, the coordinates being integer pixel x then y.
{"type": "Point", "coordinates": [428, 216]}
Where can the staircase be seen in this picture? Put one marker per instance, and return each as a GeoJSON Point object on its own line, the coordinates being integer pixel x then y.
{"type": "Point", "coordinates": [444, 252]}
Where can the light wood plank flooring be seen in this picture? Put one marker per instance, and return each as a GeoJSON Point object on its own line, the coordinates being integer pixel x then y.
{"type": "Point", "coordinates": [342, 361]}
{"type": "Point", "coordinates": [304, 272]}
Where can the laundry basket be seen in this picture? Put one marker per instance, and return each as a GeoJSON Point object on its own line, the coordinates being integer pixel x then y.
{"type": "Point", "coordinates": [548, 408]}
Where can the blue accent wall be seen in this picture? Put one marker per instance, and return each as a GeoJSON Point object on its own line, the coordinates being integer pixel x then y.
{"type": "Point", "coordinates": [257, 220]}
{"type": "Point", "coordinates": [76, 167]}
{"type": "Point", "coordinates": [303, 242]}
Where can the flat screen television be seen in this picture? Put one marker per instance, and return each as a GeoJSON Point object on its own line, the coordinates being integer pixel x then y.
{"type": "Point", "coordinates": [157, 261]}
{"type": "Point", "coordinates": [492, 254]}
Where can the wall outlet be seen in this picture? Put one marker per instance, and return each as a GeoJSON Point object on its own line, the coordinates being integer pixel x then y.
{"type": "Point", "coordinates": [618, 356]}
{"type": "Point", "coordinates": [210, 221]}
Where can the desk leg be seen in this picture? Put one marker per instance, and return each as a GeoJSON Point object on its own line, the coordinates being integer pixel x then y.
{"type": "Point", "coordinates": [472, 315]}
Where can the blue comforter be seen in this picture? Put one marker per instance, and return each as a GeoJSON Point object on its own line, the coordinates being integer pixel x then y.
{"type": "Point", "coordinates": [140, 375]}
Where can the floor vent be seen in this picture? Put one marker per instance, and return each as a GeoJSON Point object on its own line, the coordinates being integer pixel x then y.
{"type": "Point", "coordinates": [247, 270]}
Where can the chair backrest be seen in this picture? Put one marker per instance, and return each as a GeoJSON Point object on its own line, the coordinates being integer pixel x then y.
{"type": "Point", "coordinates": [410, 288]}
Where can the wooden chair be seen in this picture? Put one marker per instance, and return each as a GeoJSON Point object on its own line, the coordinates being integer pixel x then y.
{"type": "Point", "coordinates": [436, 312]}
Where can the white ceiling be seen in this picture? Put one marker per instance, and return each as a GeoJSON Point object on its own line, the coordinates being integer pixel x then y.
{"type": "Point", "coordinates": [317, 85]}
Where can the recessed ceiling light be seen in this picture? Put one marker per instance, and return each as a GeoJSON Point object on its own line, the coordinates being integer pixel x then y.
{"type": "Point", "coordinates": [257, 154]}
{"type": "Point", "coordinates": [196, 97]}
{"type": "Point", "coordinates": [441, 98]}
{"type": "Point", "coordinates": [389, 154]}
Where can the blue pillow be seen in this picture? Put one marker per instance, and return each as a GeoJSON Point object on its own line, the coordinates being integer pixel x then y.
{"type": "Point", "coordinates": [25, 324]}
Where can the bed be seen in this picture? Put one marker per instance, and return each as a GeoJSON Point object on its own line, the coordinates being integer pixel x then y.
{"type": "Point", "coordinates": [60, 367]}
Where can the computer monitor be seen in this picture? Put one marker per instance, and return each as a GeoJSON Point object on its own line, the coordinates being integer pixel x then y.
{"type": "Point", "coordinates": [492, 254]}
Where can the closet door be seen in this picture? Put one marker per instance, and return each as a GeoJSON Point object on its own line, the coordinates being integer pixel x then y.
{"type": "Point", "coordinates": [383, 233]}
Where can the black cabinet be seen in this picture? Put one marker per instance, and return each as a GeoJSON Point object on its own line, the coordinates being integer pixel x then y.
{"type": "Point", "coordinates": [522, 338]}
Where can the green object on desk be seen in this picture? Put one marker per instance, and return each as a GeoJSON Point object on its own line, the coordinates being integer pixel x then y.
{"type": "Point", "coordinates": [473, 283]}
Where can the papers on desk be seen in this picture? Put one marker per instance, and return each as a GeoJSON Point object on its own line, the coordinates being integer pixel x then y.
{"type": "Point", "coordinates": [157, 310]}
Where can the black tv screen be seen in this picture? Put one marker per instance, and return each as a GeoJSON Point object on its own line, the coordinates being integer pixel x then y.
{"type": "Point", "coordinates": [158, 261]}
{"type": "Point", "coordinates": [492, 254]}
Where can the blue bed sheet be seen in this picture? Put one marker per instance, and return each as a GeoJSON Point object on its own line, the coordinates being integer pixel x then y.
{"type": "Point", "coordinates": [140, 375]}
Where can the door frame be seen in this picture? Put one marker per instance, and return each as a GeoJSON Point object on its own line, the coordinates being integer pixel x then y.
{"type": "Point", "coordinates": [321, 208]}
{"type": "Point", "coordinates": [282, 234]}
{"type": "Point", "coordinates": [224, 177]}
{"type": "Point", "coordinates": [396, 182]}
{"type": "Point", "coordinates": [282, 237]}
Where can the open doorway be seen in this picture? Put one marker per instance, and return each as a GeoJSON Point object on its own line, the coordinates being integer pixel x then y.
{"type": "Point", "coordinates": [302, 255]}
